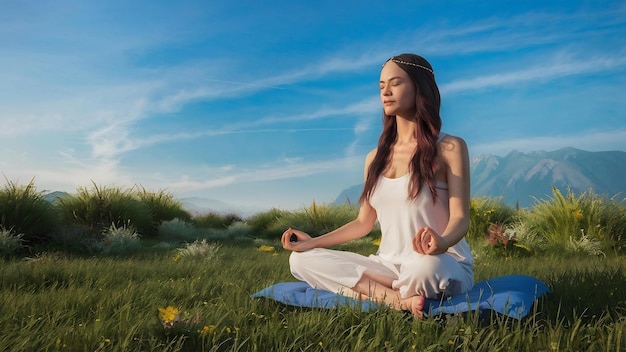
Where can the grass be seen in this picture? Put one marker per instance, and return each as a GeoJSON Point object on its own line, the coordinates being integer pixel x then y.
{"type": "Point", "coordinates": [67, 295]}
{"type": "Point", "coordinates": [25, 211]}
{"type": "Point", "coordinates": [58, 302]}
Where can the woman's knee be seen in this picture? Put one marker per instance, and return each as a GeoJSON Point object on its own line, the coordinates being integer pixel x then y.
{"type": "Point", "coordinates": [299, 261]}
{"type": "Point", "coordinates": [427, 265]}
{"type": "Point", "coordinates": [429, 276]}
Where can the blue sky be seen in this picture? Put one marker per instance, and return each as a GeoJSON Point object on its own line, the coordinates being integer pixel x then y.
{"type": "Point", "coordinates": [275, 103]}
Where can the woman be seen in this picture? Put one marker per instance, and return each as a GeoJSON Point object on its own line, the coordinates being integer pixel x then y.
{"type": "Point", "coordinates": [417, 187]}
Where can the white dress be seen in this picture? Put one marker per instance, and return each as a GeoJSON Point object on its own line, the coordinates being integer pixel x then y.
{"type": "Point", "coordinates": [450, 273]}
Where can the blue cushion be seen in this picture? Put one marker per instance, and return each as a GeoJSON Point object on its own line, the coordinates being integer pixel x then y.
{"type": "Point", "coordinates": [511, 295]}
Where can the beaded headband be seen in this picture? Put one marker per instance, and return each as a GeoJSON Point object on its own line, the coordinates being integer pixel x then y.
{"type": "Point", "coordinates": [412, 64]}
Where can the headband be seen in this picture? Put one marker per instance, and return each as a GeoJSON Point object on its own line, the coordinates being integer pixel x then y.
{"type": "Point", "coordinates": [412, 64]}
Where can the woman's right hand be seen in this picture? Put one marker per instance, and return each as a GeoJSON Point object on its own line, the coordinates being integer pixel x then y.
{"type": "Point", "coordinates": [297, 246]}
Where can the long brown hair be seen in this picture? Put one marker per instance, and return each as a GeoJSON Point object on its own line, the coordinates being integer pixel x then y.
{"type": "Point", "coordinates": [427, 103]}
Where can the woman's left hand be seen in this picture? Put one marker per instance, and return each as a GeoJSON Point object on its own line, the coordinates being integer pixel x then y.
{"type": "Point", "coordinates": [427, 241]}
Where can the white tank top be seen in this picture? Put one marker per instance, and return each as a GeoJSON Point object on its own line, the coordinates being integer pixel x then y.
{"type": "Point", "coordinates": [400, 217]}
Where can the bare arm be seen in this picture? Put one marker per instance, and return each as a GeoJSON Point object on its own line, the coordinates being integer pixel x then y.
{"type": "Point", "coordinates": [356, 228]}
{"type": "Point", "coordinates": [455, 159]}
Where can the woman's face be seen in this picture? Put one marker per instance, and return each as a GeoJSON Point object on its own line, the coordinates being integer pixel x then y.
{"type": "Point", "coordinates": [397, 91]}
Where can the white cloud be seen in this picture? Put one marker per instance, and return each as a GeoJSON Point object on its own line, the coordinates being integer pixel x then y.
{"type": "Point", "coordinates": [586, 140]}
{"type": "Point", "coordinates": [293, 168]}
{"type": "Point", "coordinates": [562, 66]}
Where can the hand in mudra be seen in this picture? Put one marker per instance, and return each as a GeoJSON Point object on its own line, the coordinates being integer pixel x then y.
{"type": "Point", "coordinates": [427, 241]}
{"type": "Point", "coordinates": [295, 240]}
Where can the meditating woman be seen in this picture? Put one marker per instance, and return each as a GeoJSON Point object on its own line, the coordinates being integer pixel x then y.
{"type": "Point", "coordinates": [417, 188]}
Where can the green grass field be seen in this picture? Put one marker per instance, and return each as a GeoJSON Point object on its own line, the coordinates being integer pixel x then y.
{"type": "Point", "coordinates": [59, 302]}
{"type": "Point", "coordinates": [100, 270]}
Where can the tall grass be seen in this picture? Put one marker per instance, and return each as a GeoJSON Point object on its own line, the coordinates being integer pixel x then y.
{"type": "Point", "coordinates": [216, 221]}
{"type": "Point", "coordinates": [485, 211]}
{"type": "Point", "coordinates": [575, 221]}
{"type": "Point", "coordinates": [118, 241]}
{"type": "Point", "coordinates": [10, 242]}
{"type": "Point", "coordinates": [265, 224]}
{"type": "Point", "coordinates": [162, 206]}
{"type": "Point", "coordinates": [99, 207]}
{"type": "Point", "coordinates": [24, 210]}
{"type": "Point", "coordinates": [317, 219]}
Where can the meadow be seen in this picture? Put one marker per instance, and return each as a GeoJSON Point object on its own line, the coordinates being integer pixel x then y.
{"type": "Point", "coordinates": [128, 270]}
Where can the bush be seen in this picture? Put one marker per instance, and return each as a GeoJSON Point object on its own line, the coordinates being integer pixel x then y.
{"type": "Point", "coordinates": [118, 241]}
{"type": "Point", "coordinates": [75, 238]}
{"type": "Point", "coordinates": [237, 232]}
{"type": "Point", "coordinates": [216, 221]}
{"type": "Point", "coordinates": [99, 207]}
{"type": "Point", "coordinates": [163, 207]}
{"type": "Point", "coordinates": [196, 249]}
{"type": "Point", "coordinates": [503, 241]}
{"type": "Point", "coordinates": [576, 223]}
{"type": "Point", "coordinates": [10, 242]}
{"type": "Point", "coordinates": [177, 230]}
{"type": "Point", "coordinates": [25, 211]}
{"type": "Point", "coordinates": [263, 225]}
{"type": "Point", "coordinates": [485, 211]}
{"type": "Point", "coordinates": [317, 219]}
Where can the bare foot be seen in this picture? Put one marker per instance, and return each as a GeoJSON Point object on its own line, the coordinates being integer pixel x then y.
{"type": "Point", "coordinates": [414, 305]}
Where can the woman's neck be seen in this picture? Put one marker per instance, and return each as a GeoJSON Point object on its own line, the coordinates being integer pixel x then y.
{"type": "Point", "coordinates": [405, 130]}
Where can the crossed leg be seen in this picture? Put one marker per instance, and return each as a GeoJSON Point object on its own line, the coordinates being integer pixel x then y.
{"type": "Point", "coordinates": [378, 287]}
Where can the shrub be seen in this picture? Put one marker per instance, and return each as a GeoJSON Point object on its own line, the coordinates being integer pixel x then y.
{"type": "Point", "coordinates": [237, 232]}
{"type": "Point", "coordinates": [216, 221]}
{"type": "Point", "coordinates": [317, 219]}
{"type": "Point", "coordinates": [576, 222]}
{"type": "Point", "coordinates": [163, 207]}
{"type": "Point", "coordinates": [198, 249]}
{"type": "Point", "coordinates": [100, 207]}
{"type": "Point", "coordinates": [118, 241]}
{"type": "Point", "coordinates": [177, 230]}
{"type": "Point", "coordinates": [25, 211]}
{"type": "Point", "coordinates": [263, 225]}
{"type": "Point", "coordinates": [503, 241]}
{"type": "Point", "coordinates": [10, 242]}
{"type": "Point", "coordinates": [485, 211]}
{"type": "Point", "coordinates": [75, 238]}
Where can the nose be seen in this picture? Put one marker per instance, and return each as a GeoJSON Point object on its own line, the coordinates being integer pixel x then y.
{"type": "Point", "coordinates": [385, 90]}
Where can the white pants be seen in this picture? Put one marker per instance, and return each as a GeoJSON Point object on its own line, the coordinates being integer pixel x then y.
{"type": "Point", "coordinates": [339, 271]}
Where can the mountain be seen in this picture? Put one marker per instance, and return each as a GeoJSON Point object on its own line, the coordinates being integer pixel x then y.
{"type": "Point", "coordinates": [521, 178]}
{"type": "Point", "coordinates": [53, 196]}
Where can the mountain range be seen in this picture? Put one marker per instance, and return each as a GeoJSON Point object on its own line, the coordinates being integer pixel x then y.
{"type": "Point", "coordinates": [523, 178]}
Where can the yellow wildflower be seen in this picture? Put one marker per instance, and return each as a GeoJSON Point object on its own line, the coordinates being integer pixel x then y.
{"type": "Point", "coordinates": [207, 329]}
{"type": "Point", "coordinates": [169, 314]}
{"type": "Point", "coordinates": [376, 242]}
{"type": "Point", "coordinates": [265, 248]}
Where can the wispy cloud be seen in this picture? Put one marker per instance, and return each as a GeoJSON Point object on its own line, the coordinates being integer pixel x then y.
{"type": "Point", "coordinates": [590, 140]}
{"type": "Point", "coordinates": [560, 67]}
{"type": "Point", "coordinates": [285, 170]}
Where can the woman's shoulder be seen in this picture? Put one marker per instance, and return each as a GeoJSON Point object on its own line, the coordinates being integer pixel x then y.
{"type": "Point", "coordinates": [447, 140]}
{"type": "Point", "coordinates": [370, 156]}
{"type": "Point", "coordinates": [450, 146]}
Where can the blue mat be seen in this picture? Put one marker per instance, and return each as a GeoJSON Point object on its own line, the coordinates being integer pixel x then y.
{"type": "Point", "coordinates": [511, 295]}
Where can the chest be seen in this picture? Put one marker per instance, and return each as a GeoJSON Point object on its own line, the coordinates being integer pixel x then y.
{"type": "Point", "coordinates": [399, 161]}
{"type": "Point", "coordinates": [399, 164]}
